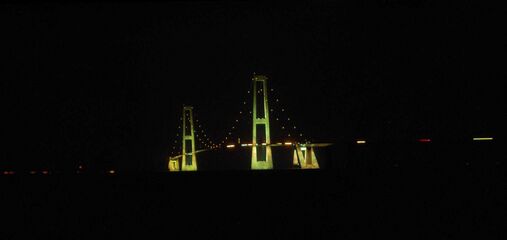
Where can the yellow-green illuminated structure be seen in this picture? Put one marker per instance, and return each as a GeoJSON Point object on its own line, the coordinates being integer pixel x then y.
{"type": "Point", "coordinates": [304, 156]}
{"type": "Point", "coordinates": [174, 165]}
{"type": "Point", "coordinates": [261, 155]}
{"type": "Point", "coordinates": [189, 159]}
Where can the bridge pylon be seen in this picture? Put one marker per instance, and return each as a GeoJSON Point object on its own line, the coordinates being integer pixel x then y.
{"type": "Point", "coordinates": [188, 159]}
{"type": "Point", "coordinates": [261, 154]}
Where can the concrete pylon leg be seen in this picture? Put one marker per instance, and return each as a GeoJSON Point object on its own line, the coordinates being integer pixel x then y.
{"type": "Point", "coordinates": [313, 159]}
{"type": "Point", "coordinates": [307, 156]}
{"type": "Point", "coordinates": [295, 159]}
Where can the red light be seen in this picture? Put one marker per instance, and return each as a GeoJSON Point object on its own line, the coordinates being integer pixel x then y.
{"type": "Point", "coordinates": [424, 140]}
{"type": "Point", "coordinates": [6, 172]}
{"type": "Point", "coordinates": [45, 172]}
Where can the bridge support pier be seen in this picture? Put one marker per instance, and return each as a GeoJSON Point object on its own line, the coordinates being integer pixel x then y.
{"type": "Point", "coordinates": [304, 156]}
{"type": "Point", "coordinates": [174, 165]}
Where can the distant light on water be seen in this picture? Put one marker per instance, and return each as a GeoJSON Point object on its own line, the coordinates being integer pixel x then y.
{"type": "Point", "coordinates": [360, 141]}
{"type": "Point", "coordinates": [482, 138]}
{"type": "Point", "coordinates": [425, 140]}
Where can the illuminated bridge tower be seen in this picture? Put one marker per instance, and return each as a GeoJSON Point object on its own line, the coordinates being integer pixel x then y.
{"type": "Point", "coordinates": [261, 153]}
{"type": "Point", "coordinates": [189, 159]}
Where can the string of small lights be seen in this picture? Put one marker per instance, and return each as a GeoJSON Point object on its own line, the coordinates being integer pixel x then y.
{"type": "Point", "coordinates": [202, 137]}
{"type": "Point", "coordinates": [175, 147]}
{"type": "Point", "coordinates": [241, 118]}
{"type": "Point", "coordinates": [281, 119]}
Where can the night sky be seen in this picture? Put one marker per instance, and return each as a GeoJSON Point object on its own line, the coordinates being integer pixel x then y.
{"type": "Point", "coordinates": [103, 84]}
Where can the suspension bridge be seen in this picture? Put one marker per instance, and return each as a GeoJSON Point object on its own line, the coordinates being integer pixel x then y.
{"type": "Point", "coordinates": [266, 124]}
{"type": "Point", "coordinates": [194, 140]}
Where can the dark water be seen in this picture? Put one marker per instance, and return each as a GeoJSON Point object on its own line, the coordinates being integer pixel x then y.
{"type": "Point", "coordinates": [413, 191]}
